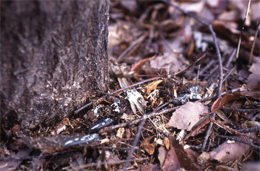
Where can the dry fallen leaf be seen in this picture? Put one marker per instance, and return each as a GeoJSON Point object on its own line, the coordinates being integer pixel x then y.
{"type": "Point", "coordinates": [153, 85]}
{"type": "Point", "coordinates": [234, 96]}
{"type": "Point", "coordinates": [203, 158]}
{"type": "Point", "coordinates": [187, 115]}
{"type": "Point", "coordinates": [195, 7]}
{"type": "Point", "coordinates": [130, 5]}
{"type": "Point", "coordinates": [172, 62]}
{"type": "Point", "coordinates": [147, 146]}
{"type": "Point", "coordinates": [177, 159]}
{"type": "Point", "coordinates": [224, 100]}
{"type": "Point", "coordinates": [150, 167]}
{"type": "Point", "coordinates": [229, 151]}
{"type": "Point", "coordinates": [254, 77]}
{"type": "Point", "coordinates": [166, 142]}
{"type": "Point", "coordinates": [137, 66]}
{"type": "Point", "coordinates": [120, 132]}
{"type": "Point", "coordinates": [162, 155]}
{"type": "Point", "coordinates": [255, 10]}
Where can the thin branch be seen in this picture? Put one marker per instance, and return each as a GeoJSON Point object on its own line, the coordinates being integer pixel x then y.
{"type": "Point", "coordinates": [241, 110]}
{"type": "Point", "coordinates": [239, 140]}
{"type": "Point", "coordinates": [220, 124]}
{"type": "Point", "coordinates": [198, 75]}
{"type": "Point", "coordinates": [230, 58]}
{"type": "Point", "coordinates": [188, 67]}
{"type": "Point", "coordinates": [207, 135]}
{"type": "Point", "coordinates": [253, 46]}
{"type": "Point", "coordinates": [240, 37]}
{"type": "Point", "coordinates": [131, 48]}
{"type": "Point", "coordinates": [228, 74]}
{"type": "Point", "coordinates": [252, 129]}
{"type": "Point", "coordinates": [135, 141]}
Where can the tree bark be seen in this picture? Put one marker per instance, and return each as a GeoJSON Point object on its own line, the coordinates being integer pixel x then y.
{"type": "Point", "coordinates": [53, 57]}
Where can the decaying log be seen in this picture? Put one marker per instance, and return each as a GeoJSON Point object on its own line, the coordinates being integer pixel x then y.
{"type": "Point", "coordinates": [53, 57]}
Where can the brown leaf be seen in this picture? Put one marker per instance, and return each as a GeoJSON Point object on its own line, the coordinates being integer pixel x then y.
{"type": "Point", "coordinates": [153, 85]}
{"type": "Point", "coordinates": [147, 146]}
{"type": "Point", "coordinates": [137, 66]}
{"type": "Point", "coordinates": [255, 95]}
{"type": "Point", "coordinates": [187, 115]}
{"type": "Point", "coordinates": [254, 10]}
{"type": "Point", "coordinates": [172, 62]}
{"type": "Point", "coordinates": [166, 142]}
{"type": "Point", "coordinates": [130, 5]}
{"type": "Point", "coordinates": [177, 159]}
{"type": "Point", "coordinates": [254, 77]}
{"type": "Point", "coordinates": [150, 167]}
{"type": "Point", "coordinates": [227, 152]}
{"type": "Point", "coordinates": [224, 100]}
{"type": "Point", "coordinates": [228, 15]}
{"type": "Point", "coordinates": [162, 155]}
{"type": "Point", "coordinates": [120, 132]}
{"type": "Point", "coordinates": [195, 7]}
{"type": "Point", "coordinates": [203, 158]}
{"type": "Point", "coordinates": [213, 3]}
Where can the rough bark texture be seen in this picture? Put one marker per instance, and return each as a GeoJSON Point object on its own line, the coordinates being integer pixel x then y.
{"type": "Point", "coordinates": [53, 57]}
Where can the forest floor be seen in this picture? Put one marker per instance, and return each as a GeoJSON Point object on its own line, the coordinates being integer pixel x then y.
{"type": "Point", "coordinates": [184, 94]}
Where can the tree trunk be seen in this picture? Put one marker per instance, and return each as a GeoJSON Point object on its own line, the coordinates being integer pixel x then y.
{"type": "Point", "coordinates": [53, 55]}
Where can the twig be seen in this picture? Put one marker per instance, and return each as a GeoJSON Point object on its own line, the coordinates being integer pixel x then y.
{"type": "Point", "coordinates": [188, 67]}
{"type": "Point", "coordinates": [207, 135]}
{"type": "Point", "coordinates": [165, 104]}
{"type": "Point", "coordinates": [131, 48]}
{"type": "Point", "coordinates": [211, 62]}
{"type": "Point", "coordinates": [228, 74]}
{"type": "Point", "coordinates": [219, 61]}
{"type": "Point", "coordinates": [241, 110]}
{"type": "Point", "coordinates": [240, 37]}
{"type": "Point", "coordinates": [232, 130]}
{"type": "Point", "coordinates": [203, 75]}
{"type": "Point", "coordinates": [205, 122]}
{"type": "Point", "coordinates": [252, 129]}
{"type": "Point", "coordinates": [239, 140]}
{"type": "Point", "coordinates": [239, 89]}
{"type": "Point", "coordinates": [230, 58]}
{"type": "Point", "coordinates": [207, 98]}
{"type": "Point", "coordinates": [135, 141]}
{"type": "Point", "coordinates": [253, 46]}
{"type": "Point", "coordinates": [198, 75]}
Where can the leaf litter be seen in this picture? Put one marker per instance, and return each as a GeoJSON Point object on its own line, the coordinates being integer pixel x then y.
{"type": "Point", "coordinates": [187, 115]}
{"type": "Point", "coordinates": [163, 65]}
